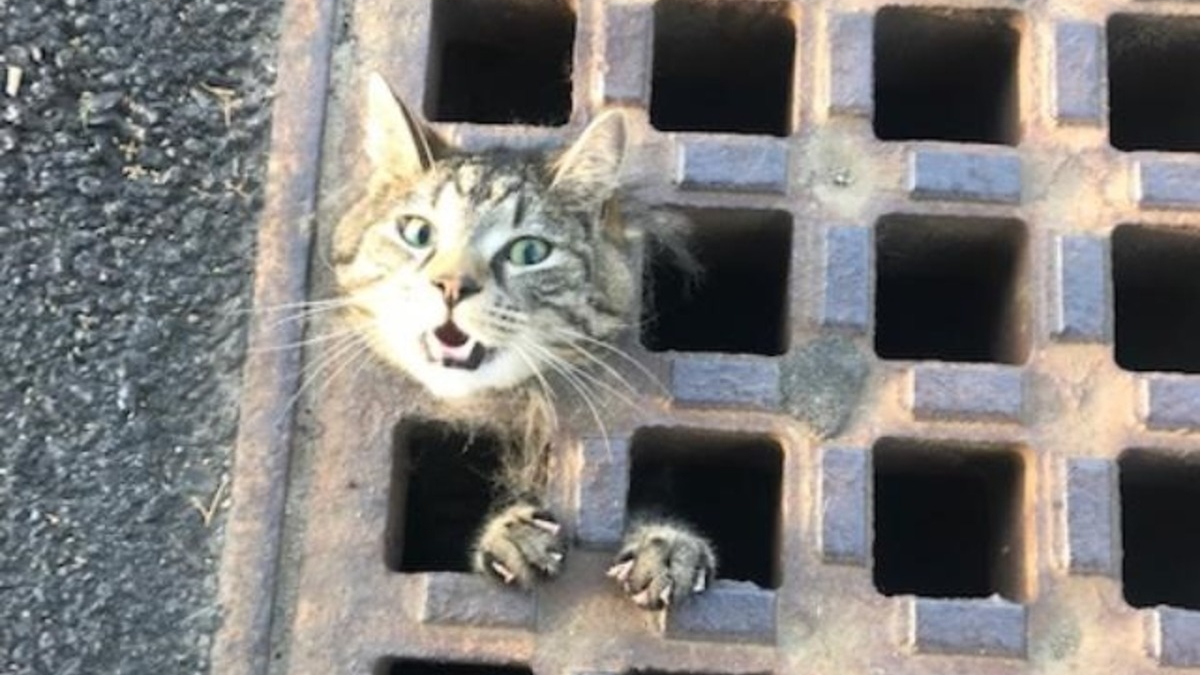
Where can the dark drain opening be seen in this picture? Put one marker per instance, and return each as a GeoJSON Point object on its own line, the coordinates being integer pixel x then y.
{"type": "Point", "coordinates": [950, 289]}
{"type": "Point", "coordinates": [727, 485]}
{"type": "Point", "coordinates": [501, 62]}
{"type": "Point", "coordinates": [947, 75]}
{"type": "Point", "coordinates": [949, 520]}
{"type": "Point", "coordinates": [738, 301]}
{"type": "Point", "coordinates": [722, 66]}
{"type": "Point", "coordinates": [1160, 529]}
{"type": "Point", "coordinates": [675, 672]}
{"type": "Point", "coordinates": [440, 492]}
{"type": "Point", "coordinates": [1153, 68]}
{"type": "Point", "coordinates": [1156, 288]}
{"type": "Point", "coordinates": [414, 667]}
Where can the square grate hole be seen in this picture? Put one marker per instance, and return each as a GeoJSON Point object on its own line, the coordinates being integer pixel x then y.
{"type": "Point", "coordinates": [722, 65]}
{"type": "Point", "coordinates": [440, 493]}
{"type": "Point", "coordinates": [947, 75]}
{"type": "Point", "coordinates": [1160, 529]}
{"type": "Point", "coordinates": [727, 485]}
{"type": "Point", "coordinates": [501, 62]}
{"type": "Point", "coordinates": [737, 302]}
{"type": "Point", "coordinates": [949, 520]}
{"type": "Point", "coordinates": [415, 667]}
{"type": "Point", "coordinates": [951, 289]}
{"type": "Point", "coordinates": [1153, 68]}
{"type": "Point", "coordinates": [1156, 288]}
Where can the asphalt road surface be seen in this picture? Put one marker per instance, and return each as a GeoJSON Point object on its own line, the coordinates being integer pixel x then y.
{"type": "Point", "coordinates": [132, 152]}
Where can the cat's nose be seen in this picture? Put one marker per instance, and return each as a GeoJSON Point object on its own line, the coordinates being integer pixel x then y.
{"type": "Point", "coordinates": [455, 289]}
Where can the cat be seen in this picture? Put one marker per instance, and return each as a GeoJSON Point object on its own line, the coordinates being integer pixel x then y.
{"type": "Point", "coordinates": [473, 274]}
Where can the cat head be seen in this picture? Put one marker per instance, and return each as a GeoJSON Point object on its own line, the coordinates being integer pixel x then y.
{"type": "Point", "coordinates": [477, 272]}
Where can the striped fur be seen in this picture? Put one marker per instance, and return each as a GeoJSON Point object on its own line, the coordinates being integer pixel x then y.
{"type": "Point", "coordinates": [525, 318]}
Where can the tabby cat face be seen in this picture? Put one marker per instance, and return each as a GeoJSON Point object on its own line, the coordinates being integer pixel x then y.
{"type": "Point", "coordinates": [478, 272]}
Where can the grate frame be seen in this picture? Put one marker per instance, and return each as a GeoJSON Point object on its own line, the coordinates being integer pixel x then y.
{"type": "Point", "coordinates": [339, 608]}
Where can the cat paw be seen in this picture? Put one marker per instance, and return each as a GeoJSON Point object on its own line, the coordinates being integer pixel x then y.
{"type": "Point", "coordinates": [662, 563]}
{"type": "Point", "coordinates": [520, 545]}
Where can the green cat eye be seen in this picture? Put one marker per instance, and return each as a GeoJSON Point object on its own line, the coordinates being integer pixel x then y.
{"type": "Point", "coordinates": [528, 251]}
{"type": "Point", "coordinates": [415, 231]}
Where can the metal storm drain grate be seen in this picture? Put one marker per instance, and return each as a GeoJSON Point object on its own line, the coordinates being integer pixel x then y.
{"type": "Point", "coordinates": [936, 397]}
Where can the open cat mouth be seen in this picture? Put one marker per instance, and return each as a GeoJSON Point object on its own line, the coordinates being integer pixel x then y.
{"type": "Point", "coordinates": [450, 346]}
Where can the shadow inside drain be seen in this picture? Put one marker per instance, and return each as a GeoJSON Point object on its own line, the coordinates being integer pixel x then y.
{"type": "Point", "coordinates": [501, 62]}
{"type": "Point", "coordinates": [1160, 516]}
{"type": "Point", "coordinates": [727, 485]}
{"type": "Point", "coordinates": [722, 66]}
{"type": "Point", "coordinates": [947, 75]}
{"type": "Point", "coordinates": [395, 666]}
{"type": "Point", "coordinates": [738, 302]}
{"type": "Point", "coordinates": [951, 289]}
{"type": "Point", "coordinates": [441, 490]}
{"type": "Point", "coordinates": [949, 520]}
{"type": "Point", "coordinates": [1156, 292]}
{"type": "Point", "coordinates": [1153, 68]}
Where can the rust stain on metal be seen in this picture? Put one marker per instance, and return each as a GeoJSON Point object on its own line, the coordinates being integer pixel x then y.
{"type": "Point", "coordinates": [253, 527]}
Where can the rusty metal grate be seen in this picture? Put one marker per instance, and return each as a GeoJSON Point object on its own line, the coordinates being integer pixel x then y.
{"type": "Point", "coordinates": [956, 424]}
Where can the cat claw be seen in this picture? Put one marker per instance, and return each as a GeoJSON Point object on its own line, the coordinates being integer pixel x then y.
{"type": "Point", "coordinates": [506, 574]}
{"type": "Point", "coordinates": [519, 546]}
{"type": "Point", "coordinates": [547, 525]}
{"type": "Point", "coordinates": [642, 598]}
{"type": "Point", "coordinates": [663, 563]}
{"type": "Point", "coordinates": [621, 571]}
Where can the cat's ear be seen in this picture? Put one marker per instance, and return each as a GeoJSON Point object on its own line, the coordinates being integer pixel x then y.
{"type": "Point", "coordinates": [589, 170]}
{"type": "Point", "coordinates": [393, 140]}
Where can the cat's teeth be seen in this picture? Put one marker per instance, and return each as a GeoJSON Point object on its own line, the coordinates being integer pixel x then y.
{"type": "Point", "coordinates": [440, 351]}
{"type": "Point", "coordinates": [459, 353]}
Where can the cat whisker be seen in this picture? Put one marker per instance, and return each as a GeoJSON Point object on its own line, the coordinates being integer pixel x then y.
{"type": "Point", "coordinates": [307, 342]}
{"type": "Point", "coordinates": [304, 315]}
{"type": "Point", "coordinates": [545, 386]}
{"type": "Point", "coordinates": [579, 386]}
{"type": "Point", "coordinates": [596, 381]}
{"type": "Point", "coordinates": [518, 315]}
{"type": "Point", "coordinates": [279, 315]}
{"type": "Point", "coordinates": [548, 354]}
{"type": "Point", "coordinates": [336, 355]}
{"type": "Point", "coordinates": [616, 351]}
{"type": "Point", "coordinates": [612, 372]}
{"type": "Point", "coordinates": [287, 306]}
{"type": "Point", "coordinates": [499, 327]}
